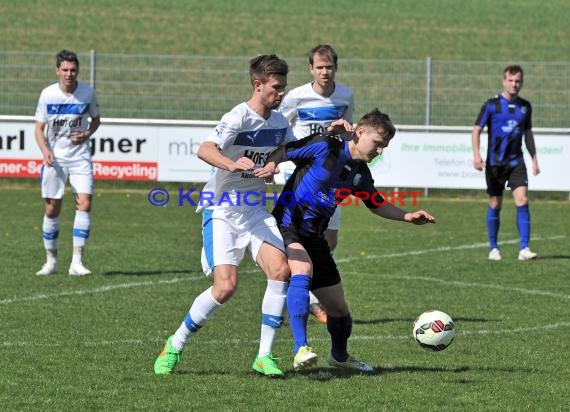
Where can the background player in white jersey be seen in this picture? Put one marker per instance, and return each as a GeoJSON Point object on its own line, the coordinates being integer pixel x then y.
{"type": "Point", "coordinates": [62, 132]}
{"type": "Point", "coordinates": [242, 141]}
{"type": "Point", "coordinates": [312, 108]}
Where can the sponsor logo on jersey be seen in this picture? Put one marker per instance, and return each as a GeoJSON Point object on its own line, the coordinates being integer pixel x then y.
{"type": "Point", "coordinates": [258, 157]}
{"type": "Point", "coordinates": [316, 128]}
{"type": "Point", "coordinates": [321, 113]}
{"type": "Point", "coordinates": [261, 138]}
{"type": "Point", "coordinates": [357, 179]}
{"type": "Point", "coordinates": [510, 127]}
{"type": "Point", "coordinates": [60, 109]}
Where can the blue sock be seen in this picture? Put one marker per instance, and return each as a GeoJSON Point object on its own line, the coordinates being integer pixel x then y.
{"type": "Point", "coordinates": [340, 330]}
{"type": "Point", "coordinates": [493, 224]}
{"type": "Point", "coordinates": [298, 308]}
{"type": "Point", "coordinates": [523, 224]}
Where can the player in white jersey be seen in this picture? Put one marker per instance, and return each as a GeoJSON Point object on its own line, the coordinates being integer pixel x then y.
{"type": "Point", "coordinates": [234, 222]}
{"type": "Point", "coordinates": [311, 108]}
{"type": "Point", "coordinates": [62, 133]}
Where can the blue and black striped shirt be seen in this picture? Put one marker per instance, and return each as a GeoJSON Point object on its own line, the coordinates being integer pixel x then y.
{"type": "Point", "coordinates": [324, 176]}
{"type": "Point", "coordinates": [506, 122]}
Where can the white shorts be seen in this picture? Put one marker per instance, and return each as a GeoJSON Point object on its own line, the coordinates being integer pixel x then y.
{"type": "Point", "coordinates": [228, 232]}
{"type": "Point", "coordinates": [53, 179]}
{"type": "Point", "coordinates": [334, 223]}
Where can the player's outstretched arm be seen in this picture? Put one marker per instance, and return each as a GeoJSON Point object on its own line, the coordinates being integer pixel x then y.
{"type": "Point", "coordinates": [388, 211]}
{"type": "Point", "coordinates": [421, 217]}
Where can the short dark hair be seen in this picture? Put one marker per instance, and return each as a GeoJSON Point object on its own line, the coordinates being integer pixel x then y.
{"type": "Point", "coordinates": [323, 50]}
{"type": "Point", "coordinates": [66, 56]}
{"type": "Point", "coordinates": [266, 65]}
{"type": "Point", "coordinates": [378, 120]}
{"type": "Point", "coordinates": [513, 69]}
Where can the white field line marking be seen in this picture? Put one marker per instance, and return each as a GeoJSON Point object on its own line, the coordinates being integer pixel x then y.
{"type": "Point", "coordinates": [471, 285]}
{"type": "Point", "coordinates": [390, 255]}
{"type": "Point", "coordinates": [106, 288]}
{"type": "Point", "coordinates": [253, 341]}
{"type": "Point", "coordinates": [443, 249]}
{"type": "Point", "coordinates": [101, 289]}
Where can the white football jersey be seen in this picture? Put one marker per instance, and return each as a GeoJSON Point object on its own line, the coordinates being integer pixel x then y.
{"type": "Point", "coordinates": [243, 133]}
{"type": "Point", "coordinates": [309, 112]}
{"type": "Point", "coordinates": [63, 114]}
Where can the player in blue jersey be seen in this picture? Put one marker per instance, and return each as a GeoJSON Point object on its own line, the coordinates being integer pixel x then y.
{"type": "Point", "coordinates": [329, 170]}
{"type": "Point", "coordinates": [240, 143]}
{"type": "Point", "coordinates": [62, 133]}
{"type": "Point", "coordinates": [310, 109]}
{"type": "Point", "coordinates": [508, 118]}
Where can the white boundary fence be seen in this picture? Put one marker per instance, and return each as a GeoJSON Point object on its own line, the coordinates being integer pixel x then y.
{"type": "Point", "coordinates": [423, 92]}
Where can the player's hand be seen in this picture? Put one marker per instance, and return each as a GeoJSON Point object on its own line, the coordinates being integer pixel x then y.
{"type": "Point", "coordinates": [266, 172]}
{"type": "Point", "coordinates": [535, 169]}
{"type": "Point", "coordinates": [420, 217]}
{"type": "Point", "coordinates": [48, 159]}
{"type": "Point", "coordinates": [478, 163]}
{"type": "Point", "coordinates": [340, 126]}
{"type": "Point", "coordinates": [243, 163]}
{"type": "Point", "coordinates": [78, 136]}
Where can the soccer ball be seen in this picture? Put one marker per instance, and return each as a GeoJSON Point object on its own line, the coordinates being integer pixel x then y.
{"type": "Point", "coordinates": [434, 330]}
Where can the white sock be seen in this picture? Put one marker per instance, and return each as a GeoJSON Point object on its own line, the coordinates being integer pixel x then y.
{"type": "Point", "coordinates": [202, 309]}
{"type": "Point", "coordinates": [81, 227]}
{"type": "Point", "coordinates": [77, 256]}
{"type": "Point", "coordinates": [312, 299]}
{"type": "Point", "coordinates": [50, 229]}
{"type": "Point", "coordinates": [272, 311]}
{"type": "Point", "coordinates": [51, 257]}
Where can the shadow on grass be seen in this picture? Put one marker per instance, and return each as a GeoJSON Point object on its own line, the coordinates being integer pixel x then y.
{"type": "Point", "coordinates": [410, 320]}
{"type": "Point", "coordinates": [145, 272]}
{"type": "Point", "coordinates": [553, 257]}
{"type": "Point", "coordinates": [327, 374]}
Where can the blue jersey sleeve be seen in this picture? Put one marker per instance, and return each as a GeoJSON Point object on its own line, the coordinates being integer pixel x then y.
{"type": "Point", "coordinates": [484, 114]}
{"type": "Point", "coordinates": [309, 147]}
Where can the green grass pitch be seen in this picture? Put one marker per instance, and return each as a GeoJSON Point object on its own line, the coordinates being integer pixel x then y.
{"type": "Point", "coordinates": [90, 343]}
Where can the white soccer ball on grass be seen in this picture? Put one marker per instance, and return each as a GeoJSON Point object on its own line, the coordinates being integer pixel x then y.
{"type": "Point", "coordinates": [434, 330]}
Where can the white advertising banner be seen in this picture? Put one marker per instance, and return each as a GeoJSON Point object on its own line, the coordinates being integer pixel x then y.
{"type": "Point", "coordinates": [120, 151]}
{"type": "Point", "coordinates": [423, 157]}
{"type": "Point", "coordinates": [177, 154]}
{"type": "Point", "coordinates": [444, 159]}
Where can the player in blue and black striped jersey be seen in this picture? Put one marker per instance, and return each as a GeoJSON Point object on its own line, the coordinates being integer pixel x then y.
{"type": "Point", "coordinates": [329, 169]}
{"type": "Point", "coordinates": [508, 118]}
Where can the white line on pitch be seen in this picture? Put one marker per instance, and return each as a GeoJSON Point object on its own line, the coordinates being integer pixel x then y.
{"type": "Point", "coordinates": [96, 290]}
{"type": "Point", "coordinates": [442, 249]}
{"type": "Point", "coordinates": [253, 341]}
{"type": "Point", "coordinates": [470, 284]}
{"type": "Point", "coordinates": [390, 255]}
